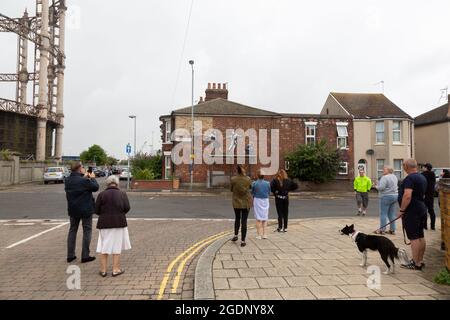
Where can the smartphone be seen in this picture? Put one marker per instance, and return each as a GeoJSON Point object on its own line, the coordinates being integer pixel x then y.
{"type": "Point", "coordinates": [89, 170]}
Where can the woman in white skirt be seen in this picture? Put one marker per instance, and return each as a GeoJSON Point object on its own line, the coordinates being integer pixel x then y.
{"type": "Point", "coordinates": [261, 192]}
{"type": "Point", "coordinates": [111, 206]}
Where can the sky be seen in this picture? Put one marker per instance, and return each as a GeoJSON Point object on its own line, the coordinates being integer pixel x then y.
{"type": "Point", "coordinates": [131, 58]}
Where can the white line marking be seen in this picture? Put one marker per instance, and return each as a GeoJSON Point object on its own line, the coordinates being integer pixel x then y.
{"type": "Point", "coordinates": [19, 224]}
{"type": "Point", "coordinates": [36, 235]}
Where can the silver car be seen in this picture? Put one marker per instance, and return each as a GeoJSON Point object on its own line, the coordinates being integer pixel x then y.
{"type": "Point", "coordinates": [56, 174]}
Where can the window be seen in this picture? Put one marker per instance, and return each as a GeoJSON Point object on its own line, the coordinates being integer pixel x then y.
{"type": "Point", "coordinates": [343, 168]}
{"type": "Point", "coordinates": [380, 168]}
{"type": "Point", "coordinates": [398, 168]}
{"type": "Point", "coordinates": [342, 137]}
{"type": "Point", "coordinates": [310, 134]}
{"type": "Point", "coordinates": [167, 167]}
{"type": "Point", "coordinates": [168, 131]}
{"type": "Point", "coordinates": [379, 132]}
{"type": "Point", "coordinates": [397, 132]}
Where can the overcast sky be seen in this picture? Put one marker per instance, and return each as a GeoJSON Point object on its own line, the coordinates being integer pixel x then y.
{"type": "Point", "coordinates": [123, 58]}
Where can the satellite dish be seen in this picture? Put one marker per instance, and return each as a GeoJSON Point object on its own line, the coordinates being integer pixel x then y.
{"type": "Point", "coordinates": [370, 152]}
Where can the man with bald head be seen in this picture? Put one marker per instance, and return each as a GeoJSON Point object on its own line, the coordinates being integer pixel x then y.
{"type": "Point", "coordinates": [411, 199]}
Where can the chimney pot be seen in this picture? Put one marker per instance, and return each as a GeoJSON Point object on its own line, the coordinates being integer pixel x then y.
{"type": "Point", "coordinates": [224, 86]}
{"type": "Point", "coordinates": [214, 85]}
{"type": "Point", "coordinates": [209, 85]}
{"type": "Point", "coordinates": [219, 86]}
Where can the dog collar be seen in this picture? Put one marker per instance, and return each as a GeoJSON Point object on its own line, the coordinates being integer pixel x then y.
{"type": "Point", "coordinates": [354, 235]}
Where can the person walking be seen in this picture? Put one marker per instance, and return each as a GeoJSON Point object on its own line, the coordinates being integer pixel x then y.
{"type": "Point", "coordinates": [388, 193]}
{"type": "Point", "coordinates": [280, 187]}
{"type": "Point", "coordinates": [362, 185]}
{"type": "Point", "coordinates": [411, 199]}
{"type": "Point", "coordinates": [261, 192]}
{"type": "Point", "coordinates": [79, 187]}
{"type": "Point", "coordinates": [429, 196]}
{"type": "Point", "coordinates": [111, 206]}
{"type": "Point", "coordinates": [240, 187]}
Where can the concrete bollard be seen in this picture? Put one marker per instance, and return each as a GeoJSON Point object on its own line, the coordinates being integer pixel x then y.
{"type": "Point", "coordinates": [444, 198]}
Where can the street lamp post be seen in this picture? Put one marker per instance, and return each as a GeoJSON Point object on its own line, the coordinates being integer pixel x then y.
{"type": "Point", "coordinates": [191, 62]}
{"type": "Point", "coordinates": [134, 117]}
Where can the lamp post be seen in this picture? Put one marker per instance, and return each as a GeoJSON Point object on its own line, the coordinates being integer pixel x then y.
{"type": "Point", "coordinates": [191, 62]}
{"type": "Point", "coordinates": [134, 117]}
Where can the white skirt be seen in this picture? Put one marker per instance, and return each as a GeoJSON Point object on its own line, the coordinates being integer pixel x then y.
{"type": "Point", "coordinates": [261, 208]}
{"type": "Point", "coordinates": [113, 241]}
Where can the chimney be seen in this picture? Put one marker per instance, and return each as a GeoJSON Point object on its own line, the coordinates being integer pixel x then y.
{"type": "Point", "coordinates": [201, 100]}
{"type": "Point", "coordinates": [216, 91]}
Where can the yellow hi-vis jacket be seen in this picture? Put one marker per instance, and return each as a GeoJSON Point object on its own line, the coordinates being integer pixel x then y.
{"type": "Point", "coordinates": [362, 184]}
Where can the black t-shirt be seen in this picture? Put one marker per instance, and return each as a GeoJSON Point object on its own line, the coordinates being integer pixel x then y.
{"type": "Point", "coordinates": [418, 183]}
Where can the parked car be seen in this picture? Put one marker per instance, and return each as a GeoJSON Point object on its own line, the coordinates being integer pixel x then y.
{"type": "Point", "coordinates": [56, 174]}
{"type": "Point", "coordinates": [125, 174]}
{"type": "Point", "coordinates": [438, 172]}
{"type": "Point", "coordinates": [99, 172]}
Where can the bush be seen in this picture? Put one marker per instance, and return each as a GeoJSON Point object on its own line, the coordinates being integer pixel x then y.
{"type": "Point", "coordinates": [443, 277]}
{"type": "Point", "coordinates": [145, 165]}
{"type": "Point", "coordinates": [143, 174]}
{"type": "Point", "coordinates": [316, 163]}
{"type": "Point", "coordinates": [5, 154]}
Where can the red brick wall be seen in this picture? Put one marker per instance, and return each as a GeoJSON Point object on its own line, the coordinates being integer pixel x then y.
{"type": "Point", "coordinates": [292, 133]}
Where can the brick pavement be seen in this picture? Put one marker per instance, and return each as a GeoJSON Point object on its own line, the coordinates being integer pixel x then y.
{"type": "Point", "coordinates": [37, 269]}
{"type": "Point", "coordinates": [313, 261]}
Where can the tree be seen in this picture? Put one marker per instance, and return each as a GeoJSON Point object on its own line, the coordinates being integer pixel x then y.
{"type": "Point", "coordinates": [96, 154]}
{"type": "Point", "coordinates": [111, 161]}
{"type": "Point", "coordinates": [316, 163]}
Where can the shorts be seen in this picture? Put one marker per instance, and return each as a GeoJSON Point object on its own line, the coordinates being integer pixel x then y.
{"type": "Point", "coordinates": [413, 224]}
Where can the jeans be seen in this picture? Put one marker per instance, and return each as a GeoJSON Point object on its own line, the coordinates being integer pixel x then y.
{"type": "Point", "coordinates": [388, 205]}
{"type": "Point", "coordinates": [282, 206]}
{"type": "Point", "coordinates": [241, 219]}
{"type": "Point", "coordinates": [429, 202]}
{"type": "Point", "coordinates": [72, 237]}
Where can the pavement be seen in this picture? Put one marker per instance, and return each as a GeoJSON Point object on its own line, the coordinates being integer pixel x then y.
{"type": "Point", "coordinates": [313, 261]}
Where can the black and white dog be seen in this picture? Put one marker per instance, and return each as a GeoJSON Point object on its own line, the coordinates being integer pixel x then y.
{"type": "Point", "coordinates": [386, 248]}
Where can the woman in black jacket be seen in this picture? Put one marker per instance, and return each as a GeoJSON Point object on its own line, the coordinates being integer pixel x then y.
{"type": "Point", "coordinates": [111, 207]}
{"type": "Point", "coordinates": [281, 186]}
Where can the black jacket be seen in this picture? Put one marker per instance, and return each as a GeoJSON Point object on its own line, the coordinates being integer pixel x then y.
{"type": "Point", "coordinates": [111, 206]}
{"type": "Point", "coordinates": [80, 202]}
{"type": "Point", "coordinates": [283, 190]}
{"type": "Point", "coordinates": [431, 182]}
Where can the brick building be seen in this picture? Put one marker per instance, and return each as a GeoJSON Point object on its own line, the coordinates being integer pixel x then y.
{"type": "Point", "coordinates": [216, 113]}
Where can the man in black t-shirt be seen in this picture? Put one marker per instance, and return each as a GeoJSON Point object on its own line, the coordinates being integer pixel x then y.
{"type": "Point", "coordinates": [411, 199]}
{"type": "Point", "coordinates": [429, 195]}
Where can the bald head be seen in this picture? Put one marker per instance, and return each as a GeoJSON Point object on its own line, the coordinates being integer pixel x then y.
{"type": "Point", "coordinates": [410, 165]}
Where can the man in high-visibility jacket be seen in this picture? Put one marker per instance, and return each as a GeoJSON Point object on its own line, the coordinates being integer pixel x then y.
{"type": "Point", "coordinates": [362, 186]}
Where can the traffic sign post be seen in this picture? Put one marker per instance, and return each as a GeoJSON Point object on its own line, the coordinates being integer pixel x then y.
{"type": "Point", "coordinates": [128, 151]}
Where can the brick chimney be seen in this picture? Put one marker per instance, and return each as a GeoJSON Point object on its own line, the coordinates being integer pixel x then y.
{"type": "Point", "coordinates": [215, 91]}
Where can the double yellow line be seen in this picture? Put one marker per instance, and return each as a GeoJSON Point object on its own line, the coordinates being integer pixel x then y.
{"type": "Point", "coordinates": [187, 254]}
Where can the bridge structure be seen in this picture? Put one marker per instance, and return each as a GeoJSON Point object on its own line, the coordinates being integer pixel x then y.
{"type": "Point", "coordinates": [30, 127]}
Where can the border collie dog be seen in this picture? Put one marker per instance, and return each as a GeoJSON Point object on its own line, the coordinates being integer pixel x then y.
{"type": "Point", "coordinates": [386, 248]}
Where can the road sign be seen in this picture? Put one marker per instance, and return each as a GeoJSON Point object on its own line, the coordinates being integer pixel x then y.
{"type": "Point", "coordinates": [128, 148]}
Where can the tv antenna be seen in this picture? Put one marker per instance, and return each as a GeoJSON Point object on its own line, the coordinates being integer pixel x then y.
{"type": "Point", "coordinates": [444, 95]}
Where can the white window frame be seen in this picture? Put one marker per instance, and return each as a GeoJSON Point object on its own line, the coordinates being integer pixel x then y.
{"type": "Point", "coordinates": [379, 131]}
{"type": "Point", "coordinates": [168, 133]}
{"type": "Point", "coordinates": [309, 136]}
{"type": "Point", "coordinates": [380, 171]}
{"type": "Point", "coordinates": [342, 137]}
{"type": "Point", "coordinates": [343, 165]}
{"type": "Point", "coordinates": [399, 131]}
{"type": "Point", "coordinates": [167, 166]}
{"type": "Point", "coordinates": [399, 171]}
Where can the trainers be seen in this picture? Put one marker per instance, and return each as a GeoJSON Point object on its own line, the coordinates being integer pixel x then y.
{"type": "Point", "coordinates": [69, 260]}
{"type": "Point", "coordinates": [235, 238]}
{"type": "Point", "coordinates": [412, 266]}
{"type": "Point", "coordinates": [258, 237]}
{"type": "Point", "coordinates": [277, 230]}
{"type": "Point", "coordinates": [364, 213]}
{"type": "Point", "coordinates": [285, 230]}
{"type": "Point", "coordinates": [264, 237]}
